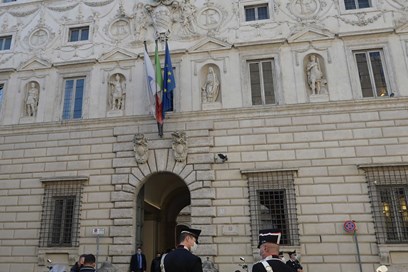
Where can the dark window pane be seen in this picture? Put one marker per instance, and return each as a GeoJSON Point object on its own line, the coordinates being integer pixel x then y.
{"type": "Point", "coordinates": [268, 82]}
{"type": "Point", "coordinates": [84, 34]}
{"type": "Point", "coordinates": [273, 212]}
{"type": "Point", "coordinates": [69, 85]}
{"type": "Point", "coordinates": [378, 72]}
{"type": "Point", "coordinates": [263, 13]}
{"type": "Point", "coordinates": [364, 75]}
{"type": "Point", "coordinates": [5, 43]}
{"type": "Point", "coordinates": [74, 35]}
{"type": "Point", "coordinates": [350, 4]}
{"type": "Point", "coordinates": [255, 84]}
{"type": "Point", "coordinates": [363, 3]}
{"type": "Point", "coordinates": [78, 98]}
{"type": "Point", "coordinates": [250, 14]}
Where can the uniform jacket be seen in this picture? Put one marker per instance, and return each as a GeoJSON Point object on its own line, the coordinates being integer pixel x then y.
{"type": "Point", "coordinates": [276, 264]}
{"type": "Point", "coordinates": [134, 263]}
{"type": "Point", "coordinates": [182, 260]}
{"type": "Point", "coordinates": [87, 269]}
{"type": "Point", "coordinates": [294, 264]}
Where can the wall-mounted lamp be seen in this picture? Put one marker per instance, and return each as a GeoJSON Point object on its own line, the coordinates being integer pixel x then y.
{"type": "Point", "coordinates": [220, 158]}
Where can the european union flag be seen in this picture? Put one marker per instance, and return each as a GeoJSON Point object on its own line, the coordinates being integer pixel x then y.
{"type": "Point", "coordinates": [168, 83]}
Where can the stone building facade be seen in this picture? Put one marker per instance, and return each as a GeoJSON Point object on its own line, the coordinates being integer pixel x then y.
{"type": "Point", "coordinates": [287, 114]}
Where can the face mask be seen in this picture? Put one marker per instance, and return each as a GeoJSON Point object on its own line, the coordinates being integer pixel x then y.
{"type": "Point", "coordinates": [194, 247]}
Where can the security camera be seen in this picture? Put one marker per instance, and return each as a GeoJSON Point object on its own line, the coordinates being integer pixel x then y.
{"type": "Point", "coordinates": [242, 259]}
{"type": "Point", "coordinates": [222, 157]}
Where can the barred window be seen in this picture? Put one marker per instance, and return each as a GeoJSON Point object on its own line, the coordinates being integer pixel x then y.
{"type": "Point", "coordinates": [388, 189]}
{"type": "Point", "coordinates": [273, 204]}
{"type": "Point", "coordinates": [61, 213]}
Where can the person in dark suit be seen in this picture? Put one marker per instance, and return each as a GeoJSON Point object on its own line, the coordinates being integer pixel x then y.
{"type": "Point", "coordinates": [138, 261]}
{"type": "Point", "coordinates": [182, 259]}
{"type": "Point", "coordinates": [294, 263]}
{"type": "Point", "coordinates": [269, 251]}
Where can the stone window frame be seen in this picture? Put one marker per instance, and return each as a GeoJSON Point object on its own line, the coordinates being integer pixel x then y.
{"type": "Point", "coordinates": [343, 9]}
{"type": "Point", "coordinates": [245, 78]}
{"type": "Point", "coordinates": [273, 181]}
{"type": "Point", "coordinates": [369, 44]}
{"type": "Point", "coordinates": [61, 188]}
{"type": "Point", "coordinates": [68, 29]}
{"type": "Point", "coordinates": [3, 39]}
{"type": "Point", "coordinates": [255, 3]}
{"type": "Point", "coordinates": [66, 72]}
{"type": "Point", "coordinates": [74, 98]}
{"type": "Point", "coordinates": [80, 30]}
{"type": "Point", "coordinates": [374, 90]}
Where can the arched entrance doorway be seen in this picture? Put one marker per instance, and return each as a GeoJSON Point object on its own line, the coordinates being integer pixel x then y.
{"type": "Point", "coordinates": [162, 204]}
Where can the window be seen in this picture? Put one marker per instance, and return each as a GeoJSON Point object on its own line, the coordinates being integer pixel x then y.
{"type": "Point", "coordinates": [371, 73]}
{"type": "Point", "coordinates": [61, 213]}
{"type": "Point", "coordinates": [261, 79]}
{"type": "Point", "coordinates": [388, 189]}
{"type": "Point", "coordinates": [273, 204]}
{"type": "Point", "coordinates": [357, 4]}
{"type": "Point", "coordinates": [8, 1]}
{"type": "Point", "coordinates": [258, 12]}
{"type": "Point", "coordinates": [1, 95]}
{"type": "Point", "coordinates": [79, 34]}
{"type": "Point", "coordinates": [5, 43]}
{"type": "Point", "coordinates": [73, 97]}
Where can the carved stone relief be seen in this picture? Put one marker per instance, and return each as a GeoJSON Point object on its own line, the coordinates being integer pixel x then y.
{"type": "Point", "coordinates": [179, 146]}
{"type": "Point", "coordinates": [117, 92]}
{"type": "Point", "coordinates": [211, 86]}
{"type": "Point", "coordinates": [141, 148]}
{"type": "Point", "coordinates": [304, 8]}
{"type": "Point", "coordinates": [31, 98]}
{"type": "Point", "coordinates": [315, 75]}
{"type": "Point", "coordinates": [119, 29]}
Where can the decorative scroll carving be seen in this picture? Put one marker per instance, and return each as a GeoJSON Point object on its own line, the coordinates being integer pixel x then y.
{"type": "Point", "coordinates": [141, 148]}
{"type": "Point", "coordinates": [179, 146]}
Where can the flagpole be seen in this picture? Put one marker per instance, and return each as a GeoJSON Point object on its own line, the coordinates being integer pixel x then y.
{"type": "Point", "coordinates": [159, 125]}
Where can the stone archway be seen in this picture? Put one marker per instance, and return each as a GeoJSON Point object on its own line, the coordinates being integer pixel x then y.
{"type": "Point", "coordinates": [165, 195]}
{"type": "Point", "coordinates": [129, 182]}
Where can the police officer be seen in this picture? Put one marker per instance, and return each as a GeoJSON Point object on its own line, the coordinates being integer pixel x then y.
{"type": "Point", "coordinates": [182, 259]}
{"type": "Point", "coordinates": [269, 251]}
{"type": "Point", "coordinates": [293, 262]}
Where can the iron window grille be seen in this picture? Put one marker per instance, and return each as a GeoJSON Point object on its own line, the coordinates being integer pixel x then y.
{"type": "Point", "coordinates": [273, 205]}
{"type": "Point", "coordinates": [388, 190]}
{"type": "Point", "coordinates": [61, 214]}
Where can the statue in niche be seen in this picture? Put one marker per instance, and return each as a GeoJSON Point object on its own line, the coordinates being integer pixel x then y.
{"type": "Point", "coordinates": [31, 101]}
{"type": "Point", "coordinates": [117, 93]}
{"type": "Point", "coordinates": [179, 145]}
{"type": "Point", "coordinates": [141, 148]}
{"type": "Point", "coordinates": [211, 87]}
{"type": "Point", "coordinates": [314, 73]}
{"type": "Point", "coordinates": [208, 266]}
